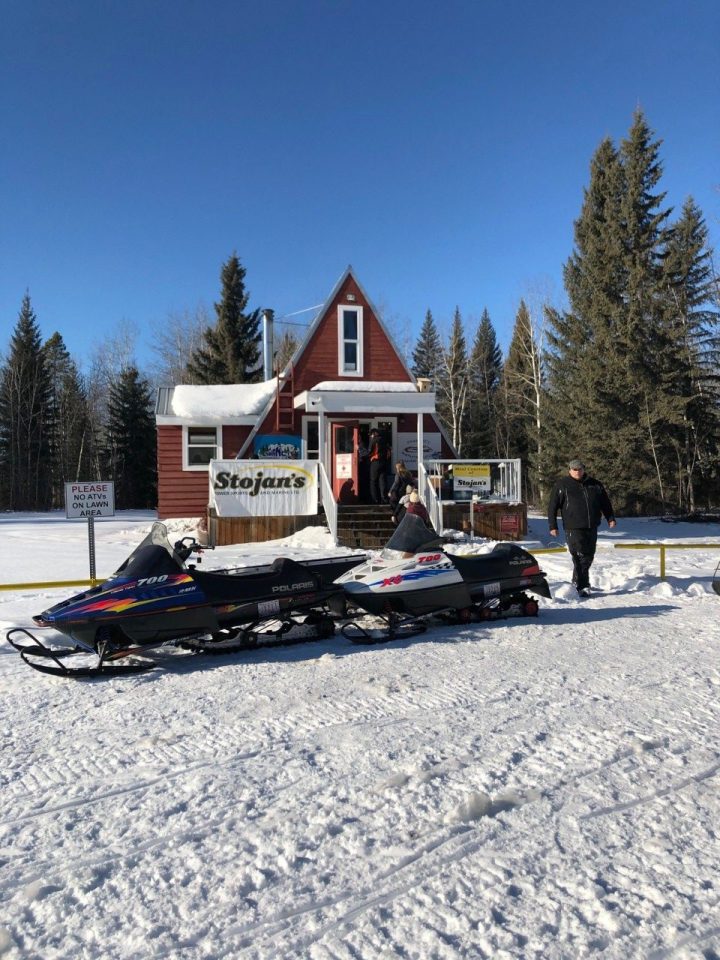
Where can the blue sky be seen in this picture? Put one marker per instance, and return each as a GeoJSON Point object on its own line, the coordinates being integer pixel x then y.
{"type": "Point", "coordinates": [441, 148]}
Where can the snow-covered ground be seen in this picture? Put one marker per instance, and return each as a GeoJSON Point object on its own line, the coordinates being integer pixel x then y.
{"type": "Point", "coordinates": [530, 788]}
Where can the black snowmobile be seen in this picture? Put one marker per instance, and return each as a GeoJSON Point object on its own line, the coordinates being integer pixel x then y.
{"type": "Point", "coordinates": [413, 577]}
{"type": "Point", "coordinates": [156, 599]}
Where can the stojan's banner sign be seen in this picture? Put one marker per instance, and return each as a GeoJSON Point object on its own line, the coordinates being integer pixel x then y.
{"type": "Point", "coordinates": [264, 488]}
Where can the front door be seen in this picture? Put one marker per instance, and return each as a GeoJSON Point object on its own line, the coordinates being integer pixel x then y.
{"type": "Point", "coordinates": [344, 461]}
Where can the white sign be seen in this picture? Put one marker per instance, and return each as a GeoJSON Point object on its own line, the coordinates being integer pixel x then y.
{"type": "Point", "coordinates": [407, 448]}
{"type": "Point", "coordinates": [84, 500]}
{"type": "Point", "coordinates": [471, 478]}
{"type": "Point", "coordinates": [264, 488]}
{"type": "Point", "coordinates": [343, 465]}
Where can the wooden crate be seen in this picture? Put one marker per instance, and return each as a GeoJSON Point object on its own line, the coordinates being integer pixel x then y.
{"type": "Point", "coordinates": [223, 531]}
{"type": "Point", "coordinates": [496, 521]}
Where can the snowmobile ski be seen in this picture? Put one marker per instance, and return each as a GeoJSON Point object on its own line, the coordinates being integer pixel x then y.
{"type": "Point", "coordinates": [52, 660]}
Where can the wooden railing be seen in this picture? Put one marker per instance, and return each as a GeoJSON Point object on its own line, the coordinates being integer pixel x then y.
{"type": "Point", "coordinates": [430, 498]}
{"type": "Point", "coordinates": [328, 501]}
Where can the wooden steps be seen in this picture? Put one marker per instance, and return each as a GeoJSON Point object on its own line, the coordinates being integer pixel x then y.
{"type": "Point", "coordinates": [368, 526]}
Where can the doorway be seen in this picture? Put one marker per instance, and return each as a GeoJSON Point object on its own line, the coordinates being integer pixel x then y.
{"type": "Point", "coordinates": [349, 456]}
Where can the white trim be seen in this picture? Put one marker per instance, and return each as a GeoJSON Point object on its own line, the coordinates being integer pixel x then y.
{"type": "Point", "coordinates": [373, 402]}
{"type": "Point", "coordinates": [166, 421]}
{"type": "Point", "coordinates": [358, 311]}
{"type": "Point", "coordinates": [306, 450]}
{"type": "Point", "coordinates": [198, 467]}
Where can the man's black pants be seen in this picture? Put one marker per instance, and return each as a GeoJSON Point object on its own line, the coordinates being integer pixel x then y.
{"type": "Point", "coordinates": [581, 544]}
{"type": "Point", "coordinates": [377, 481]}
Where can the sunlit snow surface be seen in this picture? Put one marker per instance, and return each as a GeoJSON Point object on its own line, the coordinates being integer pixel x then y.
{"type": "Point", "coordinates": [530, 788]}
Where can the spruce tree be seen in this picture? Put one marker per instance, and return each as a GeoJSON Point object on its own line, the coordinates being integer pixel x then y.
{"type": "Point", "coordinates": [67, 420]}
{"type": "Point", "coordinates": [581, 359]}
{"type": "Point", "coordinates": [606, 384]}
{"type": "Point", "coordinates": [692, 373]}
{"type": "Point", "coordinates": [231, 352]}
{"type": "Point", "coordinates": [131, 448]}
{"type": "Point", "coordinates": [24, 398]}
{"type": "Point", "coordinates": [426, 357]}
{"type": "Point", "coordinates": [484, 378]}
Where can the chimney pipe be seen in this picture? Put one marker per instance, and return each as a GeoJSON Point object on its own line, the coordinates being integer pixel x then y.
{"type": "Point", "coordinates": [268, 343]}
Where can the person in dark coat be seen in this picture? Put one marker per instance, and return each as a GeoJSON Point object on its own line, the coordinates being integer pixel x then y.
{"type": "Point", "coordinates": [582, 502]}
{"type": "Point", "coordinates": [403, 479]}
{"type": "Point", "coordinates": [378, 466]}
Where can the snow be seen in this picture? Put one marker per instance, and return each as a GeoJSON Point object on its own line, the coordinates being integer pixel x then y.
{"type": "Point", "coordinates": [217, 402]}
{"type": "Point", "coordinates": [366, 386]}
{"type": "Point", "coordinates": [532, 788]}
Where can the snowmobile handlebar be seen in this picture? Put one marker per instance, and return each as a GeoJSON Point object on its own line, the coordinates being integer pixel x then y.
{"type": "Point", "coordinates": [187, 546]}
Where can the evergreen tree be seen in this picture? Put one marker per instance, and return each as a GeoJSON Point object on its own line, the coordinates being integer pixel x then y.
{"type": "Point", "coordinates": [607, 385]}
{"type": "Point", "coordinates": [691, 371]}
{"type": "Point", "coordinates": [582, 364]}
{"type": "Point", "coordinates": [484, 378]}
{"type": "Point", "coordinates": [426, 357]}
{"type": "Point", "coordinates": [24, 397]}
{"type": "Point", "coordinates": [451, 385]}
{"type": "Point", "coordinates": [231, 353]}
{"type": "Point", "coordinates": [67, 420]}
{"type": "Point", "coordinates": [131, 449]}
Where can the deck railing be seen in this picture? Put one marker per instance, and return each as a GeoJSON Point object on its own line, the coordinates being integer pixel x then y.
{"type": "Point", "coordinates": [430, 498]}
{"type": "Point", "coordinates": [327, 498]}
{"type": "Point", "coordinates": [502, 481]}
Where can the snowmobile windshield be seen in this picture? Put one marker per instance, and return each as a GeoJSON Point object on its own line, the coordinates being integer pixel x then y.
{"type": "Point", "coordinates": [152, 557]}
{"type": "Point", "coordinates": [412, 536]}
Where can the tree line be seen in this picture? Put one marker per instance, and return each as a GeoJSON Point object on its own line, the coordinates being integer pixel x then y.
{"type": "Point", "coordinates": [626, 377]}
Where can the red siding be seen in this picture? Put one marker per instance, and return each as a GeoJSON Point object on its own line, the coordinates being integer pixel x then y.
{"type": "Point", "coordinates": [181, 493]}
{"type": "Point", "coordinates": [319, 360]}
{"type": "Point", "coordinates": [233, 437]}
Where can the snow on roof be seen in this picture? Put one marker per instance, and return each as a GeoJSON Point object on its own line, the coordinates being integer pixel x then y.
{"type": "Point", "coordinates": [367, 386]}
{"type": "Point", "coordinates": [217, 402]}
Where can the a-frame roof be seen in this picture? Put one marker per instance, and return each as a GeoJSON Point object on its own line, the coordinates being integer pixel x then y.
{"type": "Point", "coordinates": [320, 316]}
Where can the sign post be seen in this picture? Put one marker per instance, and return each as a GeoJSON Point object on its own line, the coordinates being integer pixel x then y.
{"type": "Point", "coordinates": [90, 500]}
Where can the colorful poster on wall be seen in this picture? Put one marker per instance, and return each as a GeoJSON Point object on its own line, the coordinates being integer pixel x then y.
{"type": "Point", "coordinates": [407, 449]}
{"type": "Point", "coordinates": [264, 488]}
{"type": "Point", "coordinates": [277, 446]}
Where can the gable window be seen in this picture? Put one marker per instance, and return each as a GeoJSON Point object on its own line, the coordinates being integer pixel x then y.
{"type": "Point", "coordinates": [200, 446]}
{"type": "Point", "coordinates": [350, 341]}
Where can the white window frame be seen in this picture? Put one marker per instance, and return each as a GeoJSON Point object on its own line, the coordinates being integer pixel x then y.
{"type": "Point", "coordinates": [341, 340]}
{"type": "Point", "coordinates": [306, 452]}
{"type": "Point", "coordinates": [185, 446]}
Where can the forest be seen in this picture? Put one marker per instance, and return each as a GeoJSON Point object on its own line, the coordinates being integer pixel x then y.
{"type": "Point", "coordinates": [625, 376]}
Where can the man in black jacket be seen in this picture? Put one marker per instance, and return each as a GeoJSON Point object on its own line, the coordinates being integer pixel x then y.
{"type": "Point", "coordinates": [582, 502]}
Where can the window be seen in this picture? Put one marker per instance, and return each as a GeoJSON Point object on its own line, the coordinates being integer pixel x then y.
{"type": "Point", "coordinates": [311, 438]}
{"type": "Point", "coordinates": [350, 341]}
{"type": "Point", "coordinates": [200, 447]}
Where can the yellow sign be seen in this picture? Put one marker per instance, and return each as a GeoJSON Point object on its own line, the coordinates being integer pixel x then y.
{"type": "Point", "coordinates": [469, 478]}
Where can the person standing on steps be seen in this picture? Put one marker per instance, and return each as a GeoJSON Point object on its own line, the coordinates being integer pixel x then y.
{"type": "Point", "coordinates": [582, 502]}
{"type": "Point", "coordinates": [403, 478]}
{"type": "Point", "coordinates": [378, 466]}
